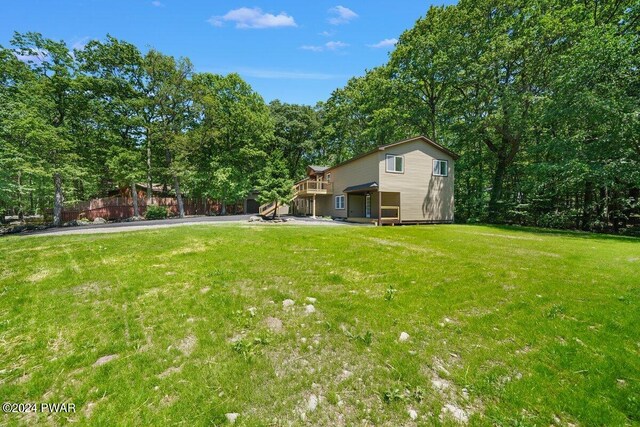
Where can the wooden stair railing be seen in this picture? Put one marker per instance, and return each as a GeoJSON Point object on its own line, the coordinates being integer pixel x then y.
{"type": "Point", "coordinates": [267, 208]}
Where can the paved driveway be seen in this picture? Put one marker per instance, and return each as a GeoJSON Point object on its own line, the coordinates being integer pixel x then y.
{"type": "Point", "coordinates": [140, 225]}
{"type": "Point", "coordinates": [162, 223]}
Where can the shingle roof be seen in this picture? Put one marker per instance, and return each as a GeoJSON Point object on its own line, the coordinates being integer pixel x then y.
{"type": "Point", "coordinates": [360, 187]}
{"type": "Point", "coordinates": [318, 169]}
{"type": "Point", "coordinates": [384, 147]}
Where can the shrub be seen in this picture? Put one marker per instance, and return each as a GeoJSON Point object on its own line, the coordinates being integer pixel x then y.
{"type": "Point", "coordinates": [156, 212]}
{"type": "Point", "coordinates": [632, 231]}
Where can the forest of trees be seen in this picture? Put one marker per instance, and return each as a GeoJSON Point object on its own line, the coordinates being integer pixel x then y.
{"type": "Point", "coordinates": [540, 98]}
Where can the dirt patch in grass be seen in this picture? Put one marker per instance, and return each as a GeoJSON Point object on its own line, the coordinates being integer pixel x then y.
{"type": "Point", "coordinates": [42, 274]}
{"type": "Point", "coordinates": [187, 345]}
{"type": "Point", "coordinates": [59, 345]}
{"type": "Point", "coordinates": [90, 288]}
{"type": "Point", "coordinates": [168, 400]}
{"type": "Point", "coordinates": [194, 248]}
{"type": "Point", "coordinates": [274, 324]}
{"type": "Point", "coordinates": [170, 371]}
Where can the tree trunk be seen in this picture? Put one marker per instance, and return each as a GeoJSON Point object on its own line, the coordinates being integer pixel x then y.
{"type": "Point", "coordinates": [223, 210]}
{"type": "Point", "coordinates": [176, 183]}
{"type": "Point", "coordinates": [149, 178]}
{"type": "Point", "coordinates": [58, 200]}
{"type": "Point", "coordinates": [587, 205]}
{"type": "Point", "coordinates": [275, 210]}
{"type": "Point", "coordinates": [134, 196]}
{"type": "Point", "coordinates": [496, 190]}
{"type": "Point", "coordinates": [20, 208]}
{"type": "Point", "coordinates": [32, 206]}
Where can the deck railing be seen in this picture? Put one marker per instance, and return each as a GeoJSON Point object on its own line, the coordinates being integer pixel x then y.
{"type": "Point", "coordinates": [266, 208]}
{"type": "Point", "coordinates": [390, 213]}
{"type": "Point", "coordinates": [309, 186]}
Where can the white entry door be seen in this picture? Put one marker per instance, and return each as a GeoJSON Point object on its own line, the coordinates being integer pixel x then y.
{"type": "Point", "coordinates": [367, 205]}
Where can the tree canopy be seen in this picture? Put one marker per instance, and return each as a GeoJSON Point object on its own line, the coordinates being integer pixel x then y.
{"type": "Point", "coordinates": [540, 99]}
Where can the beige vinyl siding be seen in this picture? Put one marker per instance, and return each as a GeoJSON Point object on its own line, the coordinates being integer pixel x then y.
{"type": "Point", "coordinates": [424, 197]}
{"type": "Point", "coordinates": [359, 171]}
{"type": "Point", "coordinates": [324, 205]}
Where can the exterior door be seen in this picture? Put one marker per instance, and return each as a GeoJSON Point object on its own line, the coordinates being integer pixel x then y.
{"type": "Point", "coordinates": [367, 205]}
{"type": "Point", "coordinates": [252, 206]}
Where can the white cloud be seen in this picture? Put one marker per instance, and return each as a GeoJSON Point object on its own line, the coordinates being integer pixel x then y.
{"type": "Point", "coordinates": [312, 48]}
{"type": "Point", "coordinates": [327, 33]}
{"type": "Point", "coordinates": [157, 3]}
{"type": "Point", "coordinates": [341, 15]}
{"type": "Point", "coordinates": [384, 43]}
{"type": "Point", "coordinates": [337, 45]}
{"type": "Point", "coordinates": [246, 18]}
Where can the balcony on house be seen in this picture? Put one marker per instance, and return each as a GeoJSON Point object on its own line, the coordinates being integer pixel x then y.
{"type": "Point", "coordinates": [310, 187]}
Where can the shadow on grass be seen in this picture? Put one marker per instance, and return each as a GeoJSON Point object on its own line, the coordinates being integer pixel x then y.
{"type": "Point", "coordinates": [562, 233]}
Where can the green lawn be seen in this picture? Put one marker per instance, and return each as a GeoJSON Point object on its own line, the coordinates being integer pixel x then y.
{"type": "Point", "coordinates": [506, 326]}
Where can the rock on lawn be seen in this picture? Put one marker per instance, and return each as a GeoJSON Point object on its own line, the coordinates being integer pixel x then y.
{"type": "Point", "coordinates": [413, 414]}
{"type": "Point", "coordinates": [313, 403]}
{"type": "Point", "coordinates": [232, 417]}
{"type": "Point", "coordinates": [288, 303]}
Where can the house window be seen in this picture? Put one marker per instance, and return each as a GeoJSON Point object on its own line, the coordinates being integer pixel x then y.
{"type": "Point", "coordinates": [440, 168]}
{"type": "Point", "coordinates": [395, 163]}
{"type": "Point", "coordinates": [329, 176]}
{"type": "Point", "coordinates": [340, 202]}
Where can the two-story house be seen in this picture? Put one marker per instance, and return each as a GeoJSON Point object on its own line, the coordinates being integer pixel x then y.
{"type": "Point", "coordinates": [409, 181]}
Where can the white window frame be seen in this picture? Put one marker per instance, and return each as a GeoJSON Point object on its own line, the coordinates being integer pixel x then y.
{"type": "Point", "coordinates": [337, 205]}
{"type": "Point", "coordinates": [395, 164]}
{"type": "Point", "coordinates": [437, 167]}
{"type": "Point", "coordinates": [329, 177]}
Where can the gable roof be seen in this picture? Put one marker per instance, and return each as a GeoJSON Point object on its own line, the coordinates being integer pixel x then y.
{"type": "Point", "coordinates": [394, 144]}
{"type": "Point", "coordinates": [317, 169]}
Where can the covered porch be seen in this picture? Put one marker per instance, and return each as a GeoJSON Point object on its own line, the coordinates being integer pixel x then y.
{"type": "Point", "coordinates": [310, 205]}
{"type": "Point", "coordinates": [366, 204]}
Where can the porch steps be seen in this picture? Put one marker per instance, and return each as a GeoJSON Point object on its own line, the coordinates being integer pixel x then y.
{"type": "Point", "coordinates": [268, 208]}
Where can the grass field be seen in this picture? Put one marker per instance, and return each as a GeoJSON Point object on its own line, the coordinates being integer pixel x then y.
{"type": "Point", "coordinates": [506, 326]}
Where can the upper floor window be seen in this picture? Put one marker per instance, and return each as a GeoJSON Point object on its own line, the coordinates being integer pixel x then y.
{"type": "Point", "coordinates": [440, 168]}
{"type": "Point", "coordinates": [329, 176]}
{"type": "Point", "coordinates": [394, 163]}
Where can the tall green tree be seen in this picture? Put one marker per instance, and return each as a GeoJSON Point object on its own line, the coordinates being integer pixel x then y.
{"type": "Point", "coordinates": [167, 114]}
{"type": "Point", "coordinates": [295, 134]}
{"type": "Point", "coordinates": [275, 185]}
{"type": "Point", "coordinates": [233, 131]}
{"type": "Point", "coordinates": [111, 74]}
{"type": "Point", "coordinates": [43, 111]}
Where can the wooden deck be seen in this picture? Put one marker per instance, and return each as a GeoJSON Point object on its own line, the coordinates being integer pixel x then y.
{"type": "Point", "coordinates": [388, 215]}
{"type": "Point", "coordinates": [309, 187]}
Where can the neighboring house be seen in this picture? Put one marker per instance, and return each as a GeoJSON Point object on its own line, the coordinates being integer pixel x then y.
{"type": "Point", "coordinates": [410, 181]}
{"type": "Point", "coordinates": [157, 190]}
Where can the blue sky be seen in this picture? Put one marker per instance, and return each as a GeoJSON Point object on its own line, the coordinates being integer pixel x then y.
{"type": "Point", "coordinates": [295, 50]}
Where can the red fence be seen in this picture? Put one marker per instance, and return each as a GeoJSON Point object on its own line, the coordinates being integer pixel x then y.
{"type": "Point", "coordinates": [114, 208]}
